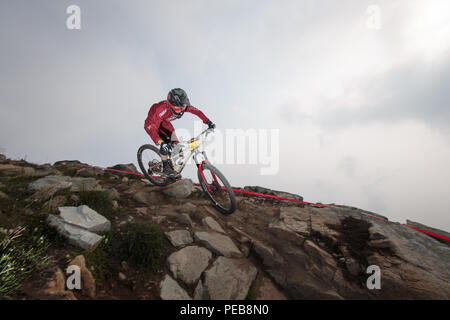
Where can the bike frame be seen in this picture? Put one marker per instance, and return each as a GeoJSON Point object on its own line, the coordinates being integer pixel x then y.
{"type": "Point", "coordinates": [193, 148]}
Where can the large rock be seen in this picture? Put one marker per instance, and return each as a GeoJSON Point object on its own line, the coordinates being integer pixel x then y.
{"type": "Point", "coordinates": [268, 255]}
{"type": "Point", "coordinates": [87, 280]}
{"type": "Point", "coordinates": [171, 290]}
{"type": "Point", "coordinates": [430, 229]}
{"type": "Point", "coordinates": [184, 219]}
{"type": "Point", "coordinates": [180, 189]}
{"type": "Point", "coordinates": [78, 225]}
{"type": "Point", "coordinates": [353, 210]}
{"type": "Point", "coordinates": [413, 265]}
{"type": "Point", "coordinates": [268, 291]}
{"type": "Point", "coordinates": [276, 193]}
{"type": "Point", "coordinates": [56, 288]}
{"type": "Point", "coordinates": [78, 184]}
{"type": "Point", "coordinates": [188, 263]}
{"type": "Point", "coordinates": [86, 218]}
{"type": "Point", "coordinates": [227, 279]}
{"type": "Point", "coordinates": [147, 197]}
{"type": "Point", "coordinates": [76, 236]}
{"type": "Point", "coordinates": [187, 208]}
{"type": "Point", "coordinates": [48, 191]}
{"type": "Point", "coordinates": [323, 253]}
{"type": "Point", "coordinates": [218, 243]}
{"type": "Point", "coordinates": [12, 170]}
{"type": "Point", "coordinates": [84, 184]}
{"type": "Point", "coordinates": [179, 238]}
{"type": "Point", "coordinates": [89, 172]}
{"type": "Point", "coordinates": [65, 163]}
{"type": "Point", "coordinates": [112, 194]}
{"type": "Point", "coordinates": [212, 224]}
{"type": "Point", "coordinates": [46, 170]}
{"type": "Point", "coordinates": [49, 182]}
{"type": "Point", "coordinates": [125, 167]}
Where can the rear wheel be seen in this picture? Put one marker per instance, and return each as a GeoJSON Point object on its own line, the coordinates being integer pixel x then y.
{"type": "Point", "coordinates": [151, 165]}
{"type": "Point", "coordinates": [217, 188]}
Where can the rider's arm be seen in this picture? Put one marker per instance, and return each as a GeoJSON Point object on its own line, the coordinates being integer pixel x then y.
{"type": "Point", "coordinates": [151, 126]}
{"type": "Point", "coordinates": [197, 112]}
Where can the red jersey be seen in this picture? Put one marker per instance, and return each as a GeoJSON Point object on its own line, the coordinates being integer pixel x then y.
{"type": "Point", "coordinates": [160, 115]}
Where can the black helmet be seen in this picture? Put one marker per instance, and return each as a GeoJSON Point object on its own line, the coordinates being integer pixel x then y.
{"type": "Point", "coordinates": [177, 98]}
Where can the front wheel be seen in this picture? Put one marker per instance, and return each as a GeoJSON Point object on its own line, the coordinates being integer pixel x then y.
{"type": "Point", "coordinates": [217, 188]}
{"type": "Point", "coordinates": [151, 165]}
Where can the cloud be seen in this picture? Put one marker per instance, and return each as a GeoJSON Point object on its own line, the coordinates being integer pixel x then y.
{"type": "Point", "coordinates": [348, 165]}
{"type": "Point", "coordinates": [409, 92]}
{"type": "Point", "coordinates": [342, 95]}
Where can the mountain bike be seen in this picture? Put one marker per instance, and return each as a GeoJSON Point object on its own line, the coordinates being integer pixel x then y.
{"type": "Point", "coordinates": [212, 181]}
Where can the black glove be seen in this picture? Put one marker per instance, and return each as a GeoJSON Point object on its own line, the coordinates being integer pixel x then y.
{"type": "Point", "coordinates": [164, 149]}
{"type": "Point", "coordinates": [210, 124]}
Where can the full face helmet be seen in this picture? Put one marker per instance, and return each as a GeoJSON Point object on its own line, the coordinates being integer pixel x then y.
{"type": "Point", "coordinates": [177, 101]}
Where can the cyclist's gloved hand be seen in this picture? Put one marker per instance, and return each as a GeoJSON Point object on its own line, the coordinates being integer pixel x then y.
{"type": "Point", "coordinates": [210, 124]}
{"type": "Point", "coordinates": [164, 149]}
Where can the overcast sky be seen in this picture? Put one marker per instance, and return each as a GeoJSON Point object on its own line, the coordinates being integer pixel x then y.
{"type": "Point", "coordinates": [362, 107]}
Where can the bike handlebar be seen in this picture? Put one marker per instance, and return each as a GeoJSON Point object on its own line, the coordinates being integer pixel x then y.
{"type": "Point", "coordinates": [206, 131]}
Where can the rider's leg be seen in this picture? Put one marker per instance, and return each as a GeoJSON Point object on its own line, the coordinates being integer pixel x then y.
{"type": "Point", "coordinates": [167, 166]}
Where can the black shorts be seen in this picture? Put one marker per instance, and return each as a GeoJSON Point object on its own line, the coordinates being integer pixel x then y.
{"type": "Point", "coordinates": [165, 134]}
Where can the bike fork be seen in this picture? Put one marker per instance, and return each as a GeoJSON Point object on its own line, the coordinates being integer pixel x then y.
{"type": "Point", "coordinates": [200, 170]}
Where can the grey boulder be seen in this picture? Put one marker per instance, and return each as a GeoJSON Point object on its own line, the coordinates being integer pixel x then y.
{"type": "Point", "coordinates": [171, 290]}
{"type": "Point", "coordinates": [179, 238]}
{"type": "Point", "coordinates": [179, 189]}
{"type": "Point", "coordinates": [188, 263]}
{"type": "Point", "coordinates": [228, 279]}
{"type": "Point", "coordinates": [218, 243]}
{"type": "Point", "coordinates": [76, 236]}
{"type": "Point", "coordinates": [86, 218]}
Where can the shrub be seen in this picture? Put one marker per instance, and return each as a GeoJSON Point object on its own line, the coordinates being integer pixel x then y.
{"type": "Point", "coordinates": [19, 257]}
{"type": "Point", "coordinates": [98, 201]}
{"type": "Point", "coordinates": [100, 258]}
{"type": "Point", "coordinates": [140, 244]}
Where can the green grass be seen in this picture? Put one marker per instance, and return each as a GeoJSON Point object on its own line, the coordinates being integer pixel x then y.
{"type": "Point", "coordinates": [14, 207]}
{"type": "Point", "coordinates": [98, 201]}
{"type": "Point", "coordinates": [101, 258]}
{"type": "Point", "coordinates": [21, 253]}
{"type": "Point", "coordinates": [141, 245]}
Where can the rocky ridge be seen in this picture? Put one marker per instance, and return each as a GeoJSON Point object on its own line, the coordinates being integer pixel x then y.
{"type": "Point", "coordinates": [267, 249]}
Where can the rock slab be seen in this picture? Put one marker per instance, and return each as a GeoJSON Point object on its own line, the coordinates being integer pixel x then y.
{"type": "Point", "coordinates": [188, 263]}
{"type": "Point", "coordinates": [75, 235]}
{"type": "Point", "coordinates": [171, 290]}
{"type": "Point", "coordinates": [179, 189]}
{"type": "Point", "coordinates": [86, 218]}
{"type": "Point", "coordinates": [219, 244]}
{"type": "Point", "coordinates": [78, 183]}
{"type": "Point", "coordinates": [179, 238]}
{"type": "Point", "coordinates": [228, 279]}
{"type": "Point", "coordinates": [212, 224]}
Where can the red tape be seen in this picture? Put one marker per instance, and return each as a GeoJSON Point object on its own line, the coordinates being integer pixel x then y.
{"type": "Point", "coordinates": [282, 198]}
{"type": "Point", "coordinates": [440, 236]}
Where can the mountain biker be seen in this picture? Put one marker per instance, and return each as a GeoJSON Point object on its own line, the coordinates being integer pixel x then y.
{"type": "Point", "coordinates": [160, 129]}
